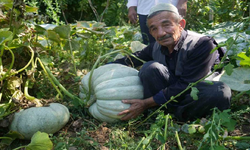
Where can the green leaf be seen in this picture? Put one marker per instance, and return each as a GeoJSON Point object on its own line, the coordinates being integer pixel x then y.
{"type": "Point", "coordinates": [53, 36]}
{"type": "Point", "coordinates": [75, 45]}
{"type": "Point", "coordinates": [31, 9]}
{"type": "Point", "coordinates": [229, 69]}
{"type": "Point", "coordinates": [209, 82]}
{"type": "Point", "coordinates": [218, 147]}
{"type": "Point", "coordinates": [246, 59]}
{"type": "Point", "coordinates": [39, 29]}
{"type": "Point", "coordinates": [239, 80]}
{"type": "Point", "coordinates": [226, 120]}
{"type": "Point", "coordinates": [40, 141]}
{"type": "Point", "coordinates": [10, 137]}
{"type": "Point", "coordinates": [83, 24]}
{"type": "Point", "coordinates": [7, 4]}
{"type": "Point", "coordinates": [4, 29]}
{"type": "Point", "coordinates": [63, 31]}
{"type": "Point", "coordinates": [98, 25]}
{"type": "Point", "coordinates": [229, 42]}
{"type": "Point", "coordinates": [194, 93]}
{"type": "Point", "coordinates": [5, 36]}
{"type": "Point", "coordinates": [137, 46]}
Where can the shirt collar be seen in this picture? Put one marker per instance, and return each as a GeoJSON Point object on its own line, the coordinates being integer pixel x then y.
{"type": "Point", "coordinates": [164, 50]}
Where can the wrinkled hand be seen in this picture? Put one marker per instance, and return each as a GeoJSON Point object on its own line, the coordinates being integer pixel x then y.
{"type": "Point", "coordinates": [132, 14]}
{"type": "Point", "coordinates": [137, 107]}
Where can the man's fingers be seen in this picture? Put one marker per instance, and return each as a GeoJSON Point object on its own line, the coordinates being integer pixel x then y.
{"type": "Point", "coordinates": [127, 117]}
{"type": "Point", "coordinates": [123, 112]}
{"type": "Point", "coordinates": [131, 101]}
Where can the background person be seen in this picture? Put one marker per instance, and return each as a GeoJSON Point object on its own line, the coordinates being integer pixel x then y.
{"type": "Point", "coordinates": [142, 7]}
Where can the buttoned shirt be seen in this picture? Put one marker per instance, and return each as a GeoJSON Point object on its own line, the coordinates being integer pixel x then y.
{"type": "Point", "coordinates": [143, 6]}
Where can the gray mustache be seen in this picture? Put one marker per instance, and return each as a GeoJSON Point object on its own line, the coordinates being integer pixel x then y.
{"type": "Point", "coordinates": [164, 37]}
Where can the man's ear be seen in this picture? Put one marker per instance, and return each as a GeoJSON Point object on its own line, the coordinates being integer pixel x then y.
{"type": "Point", "coordinates": [182, 23]}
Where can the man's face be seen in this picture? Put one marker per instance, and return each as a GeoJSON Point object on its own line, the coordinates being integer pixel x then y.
{"type": "Point", "coordinates": [164, 29]}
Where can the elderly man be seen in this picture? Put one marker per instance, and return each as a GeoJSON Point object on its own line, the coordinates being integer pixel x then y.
{"type": "Point", "coordinates": [176, 59]}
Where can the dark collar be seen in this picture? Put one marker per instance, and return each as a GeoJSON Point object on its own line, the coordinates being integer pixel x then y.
{"type": "Point", "coordinates": [164, 50]}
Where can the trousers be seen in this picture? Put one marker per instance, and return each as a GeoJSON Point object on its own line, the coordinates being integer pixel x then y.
{"type": "Point", "coordinates": [146, 36]}
{"type": "Point", "coordinates": [155, 77]}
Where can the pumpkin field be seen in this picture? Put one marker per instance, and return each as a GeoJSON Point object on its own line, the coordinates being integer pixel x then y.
{"type": "Point", "coordinates": [55, 88]}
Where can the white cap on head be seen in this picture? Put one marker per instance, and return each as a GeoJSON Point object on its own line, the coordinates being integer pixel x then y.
{"type": "Point", "coordinates": [162, 7]}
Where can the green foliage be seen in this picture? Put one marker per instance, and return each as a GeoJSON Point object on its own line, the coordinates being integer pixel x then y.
{"type": "Point", "coordinates": [53, 58]}
{"type": "Point", "coordinates": [39, 141]}
{"type": "Point", "coordinates": [71, 11]}
{"type": "Point", "coordinates": [203, 14]}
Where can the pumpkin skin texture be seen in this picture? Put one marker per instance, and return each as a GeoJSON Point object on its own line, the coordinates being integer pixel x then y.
{"type": "Point", "coordinates": [49, 119]}
{"type": "Point", "coordinates": [110, 84]}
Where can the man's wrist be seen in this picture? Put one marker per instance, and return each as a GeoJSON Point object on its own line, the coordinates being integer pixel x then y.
{"type": "Point", "coordinates": [132, 7]}
{"type": "Point", "coordinates": [149, 102]}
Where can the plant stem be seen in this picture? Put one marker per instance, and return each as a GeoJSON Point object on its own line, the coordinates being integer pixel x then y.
{"type": "Point", "coordinates": [19, 147]}
{"type": "Point", "coordinates": [166, 127]}
{"type": "Point", "coordinates": [30, 61]}
{"type": "Point", "coordinates": [26, 93]}
{"type": "Point", "coordinates": [11, 65]}
{"type": "Point", "coordinates": [238, 95]}
{"type": "Point", "coordinates": [151, 137]}
{"type": "Point", "coordinates": [178, 140]}
{"type": "Point", "coordinates": [72, 54]}
{"type": "Point", "coordinates": [235, 138]}
{"type": "Point", "coordinates": [66, 92]}
{"type": "Point", "coordinates": [51, 81]}
{"type": "Point", "coordinates": [143, 138]}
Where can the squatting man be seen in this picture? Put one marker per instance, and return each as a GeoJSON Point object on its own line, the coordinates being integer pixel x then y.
{"type": "Point", "coordinates": [177, 58]}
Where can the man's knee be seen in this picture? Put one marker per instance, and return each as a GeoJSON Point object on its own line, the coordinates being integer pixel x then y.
{"type": "Point", "coordinates": [150, 69]}
{"type": "Point", "coordinates": [223, 95]}
{"type": "Point", "coordinates": [219, 93]}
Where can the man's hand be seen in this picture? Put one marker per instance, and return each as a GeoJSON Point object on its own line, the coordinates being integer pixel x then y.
{"type": "Point", "coordinates": [182, 7]}
{"type": "Point", "coordinates": [132, 14]}
{"type": "Point", "coordinates": [137, 107]}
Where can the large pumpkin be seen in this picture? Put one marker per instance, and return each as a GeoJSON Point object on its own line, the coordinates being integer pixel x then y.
{"type": "Point", "coordinates": [109, 85]}
{"type": "Point", "coordinates": [49, 119]}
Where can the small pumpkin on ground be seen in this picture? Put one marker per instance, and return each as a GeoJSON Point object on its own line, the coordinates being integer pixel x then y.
{"type": "Point", "coordinates": [49, 119]}
{"type": "Point", "coordinates": [108, 86]}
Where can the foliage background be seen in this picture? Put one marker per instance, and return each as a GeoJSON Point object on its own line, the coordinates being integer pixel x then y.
{"type": "Point", "coordinates": [70, 50]}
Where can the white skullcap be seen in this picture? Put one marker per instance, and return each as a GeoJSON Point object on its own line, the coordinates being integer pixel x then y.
{"type": "Point", "coordinates": [163, 6]}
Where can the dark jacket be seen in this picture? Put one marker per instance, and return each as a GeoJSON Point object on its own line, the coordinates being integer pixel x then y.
{"type": "Point", "coordinates": [190, 61]}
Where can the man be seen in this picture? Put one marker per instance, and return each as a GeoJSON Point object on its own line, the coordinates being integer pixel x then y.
{"type": "Point", "coordinates": [142, 7]}
{"type": "Point", "coordinates": [176, 59]}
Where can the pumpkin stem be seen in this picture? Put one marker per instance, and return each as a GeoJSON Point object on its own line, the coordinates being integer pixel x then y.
{"type": "Point", "coordinates": [29, 97]}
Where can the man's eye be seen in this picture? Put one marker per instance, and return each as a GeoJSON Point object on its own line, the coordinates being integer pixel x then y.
{"type": "Point", "coordinates": [153, 29]}
{"type": "Point", "coordinates": [165, 24]}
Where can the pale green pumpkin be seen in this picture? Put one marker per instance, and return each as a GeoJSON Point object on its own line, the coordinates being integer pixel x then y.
{"type": "Point", "coordinates": [49, 119]}
{"type": "Point", "coordinates": [109, 85]}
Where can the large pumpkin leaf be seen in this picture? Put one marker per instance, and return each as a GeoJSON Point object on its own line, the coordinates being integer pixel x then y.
{"type": "Point", "coordinates": [40, 141]}
{"type": "Point", "coordinates": [137, 46]}
{"type": "Point", "coordinates": [239, 80]}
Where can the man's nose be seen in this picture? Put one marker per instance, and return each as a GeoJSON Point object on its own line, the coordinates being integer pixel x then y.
{"type": "Point", "coordinates": [161, 32]}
